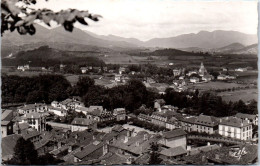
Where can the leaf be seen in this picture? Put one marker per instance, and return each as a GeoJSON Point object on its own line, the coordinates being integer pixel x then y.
{"type": "Point", "coordinates": [30, 19]}
{"type": "Point", "coordinates": [46, 19]}
{"type": "Point", "coordinates": [11, 6]}
{"type": "Point", "coordinates": [68, 26]}
{"type": "Point", "coordinates": [81, 20]}
{"type": "Point", "coordinates": [31, 30]}
{"type": "Point", "coordinates": [21, 30]}
{"type": "Point", "coordinates": [19, 23]}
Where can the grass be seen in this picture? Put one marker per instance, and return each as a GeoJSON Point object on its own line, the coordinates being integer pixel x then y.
{"type": "Point", "coordinates": [244, 94]}
{"type": "Point", "coordinates": [215, 85]}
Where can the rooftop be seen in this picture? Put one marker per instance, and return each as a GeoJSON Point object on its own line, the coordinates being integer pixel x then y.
{"type": "Point", "coordinates": [234, 122]}
{"type": "Point", "coordinates": [171, 152]}
{"type": "Point", "coordinates": [174, 133]}
{"type": "Point", "coordinates": [243, 116]}
{"type": "Point", "coordinates": [8, 144]}
{"type": "Point", "coordinates": [206, 120]}
{"type": "Point", "coordinates": [82, 121]}
{"type": "Point", "coordinates": [32, 106]}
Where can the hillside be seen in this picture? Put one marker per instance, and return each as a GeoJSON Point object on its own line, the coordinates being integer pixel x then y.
{"type": "Point", "coordinates": [203, 39]}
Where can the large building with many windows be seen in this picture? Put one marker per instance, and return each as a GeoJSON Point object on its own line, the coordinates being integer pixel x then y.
{"type": "Point", "coordinates": [234, 127]}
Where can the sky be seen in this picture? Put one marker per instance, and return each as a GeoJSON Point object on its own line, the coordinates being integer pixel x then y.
{"type": "Point", "coordinates": [147, 19]}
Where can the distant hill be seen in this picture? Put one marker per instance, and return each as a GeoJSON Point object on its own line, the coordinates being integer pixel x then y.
{"type": "Point", "coordinates": [204, 39]}
{"type": "Point", "coordinates": [237, 48]}
{"type": "Point", "coordinates": [45, 56]}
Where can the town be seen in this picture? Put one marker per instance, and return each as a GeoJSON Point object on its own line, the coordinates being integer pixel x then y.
{"type": "Point", "coordinates": [164, 130]}
{"type": "Point", "coordinates": [125, 82]}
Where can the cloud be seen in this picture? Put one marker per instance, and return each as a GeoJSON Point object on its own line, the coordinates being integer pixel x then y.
{"type": "Point", "coordinates": [146, 19]}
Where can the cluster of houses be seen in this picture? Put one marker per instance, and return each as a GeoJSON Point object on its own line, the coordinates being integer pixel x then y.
{"type": "Point", "coordinates": [82, 143]}
{"type": "Point", "coordinates": [239, 126]}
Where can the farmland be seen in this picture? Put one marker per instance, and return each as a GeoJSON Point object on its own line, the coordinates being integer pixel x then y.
{"type": "Point", "coordinates": [243, 94]}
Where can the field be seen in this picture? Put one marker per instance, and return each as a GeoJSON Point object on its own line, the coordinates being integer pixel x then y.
{"type": "Point", "coordinates": [244, 94]}
{"type": "Point", "coordinates": [215, 85]}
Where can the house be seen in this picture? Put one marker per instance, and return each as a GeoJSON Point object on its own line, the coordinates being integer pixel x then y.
{"type": "Point", "coordinates": [31, 134]}
{"type": "Point", "coordinates": [158, 103]}
{"type": "Point", "coordinates": [176, 72]}
{"type": "Point", "coordinates": [191, 73]}
{"type": "Point", "coordinates": [241, 69]}
{"type": "Point", "coordinates": [172, 123]}
{"type": "Point", "coordinates": [6, 123]}
{"type": "Point", "coordinates": [23, 68]}
{"type": "Point", "coordinates": [101, 115]}
{"type": "Point", "coordinates": [37, 107]}
{"type": "Point", "coordinates": [252, 118]}
{"type": "Point", "coordinates": [174, 138]}
{"type": "Point", "coordinates": [84, 70]}
{"type": "Point", "coordinates": [194, 79]}
{"type": "Point", "coordinates": [133, 145]}
{"type": "Point", "coordinates": [234, 127]}
{"type": "Point", "coordinates": [80, 124]}
{"type": "Point", "coordinates": [207, 78]}
{"type": "Point", "coordinates": [84, 110]}
{"type": "Point", "coordinates": [144, 117]}
{"type": "Point", "coordinates": [187, 123]}
{"type": "Point", "coordinates": [35, 120]}
{"type": "Point", "coordinates": [120, 114]}
{"type": "Point", "coordinates": [173, 153]}
{"type": "Point", "coordinates": [206, 124]}
{"type": "Point", "coordinates": [222, 77]}
{"type": "Point", "coordinates": [58, 111]}
{"type": "Point", "coordinates": [71, 104]}
{"type": "Point", "coordinates": [121, 70]}
{"type": "Point", "coordinates": [118, 77]}
{"type": "Point", "coordinates": [93, 108]}
{"type": "Point", "coordinates": [91, 152]}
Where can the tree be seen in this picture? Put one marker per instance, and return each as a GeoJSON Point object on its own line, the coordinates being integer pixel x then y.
{"type": "Point", "coordinates": [154, 156]}
{"type": "Point", "coordinates": [21, 17]}
{"type": "Point", "coordinates": [24, 153]}
{"type": "Point", "coordinates": [83, 85]}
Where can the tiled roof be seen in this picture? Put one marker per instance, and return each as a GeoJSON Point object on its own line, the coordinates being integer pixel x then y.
{"type": "Point", "coordinates": [88, 150]}
{"type": "Point", "coordinates": [22, 126]}
{"type": "Point", "coordinates": [113, 159]}
{"type": "Point", "coordinates": [92, 108]}
{"type": "Point", "coordinates": [32, 106]}
{"type": "Point", "coordinates": [82, 121]}
{"type": "Point", "coordinates": [35, 115]}
{"type": "Point", "coordinates": [243, 116]}
{"type": "Point", "coordinates": [189, 120]}
{"type": "Point", "coordinates": [234, 121]}
{"type": "Point", "coordinates": [206, 120]}
{"type": "Point", "coordinates": [144, 116]}
{"type": "Point", "coordinates": [4, 122]}
{"type": "Point", "coordinates": [29, 133]}
{"type": "Point", "coordinates": [174, 133]}
{"type": "Point", "coordinates": [171, 152]}
{"type": "Point", "coordinates": [118, 128]}
{"type": "Point", "coordinates": [7, 115]}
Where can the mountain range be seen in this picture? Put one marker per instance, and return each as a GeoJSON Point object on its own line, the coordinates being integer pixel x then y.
{"type": "Point", "coordinates": [79, 40]}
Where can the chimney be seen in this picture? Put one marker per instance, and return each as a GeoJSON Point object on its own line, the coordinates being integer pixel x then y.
{"type": "Point", "coordinates": [126, 139]}
{"type": "Point", "coordinates": [94, 138]}
{"type": "Point", "coordinates": [81, 148]}
{"type": "Point", "coordinates": [105, 149]}
{"type": "Point", "coordinates": [128, 133]}
{"type": "Point", "coordinates": [145, 137]}
{"type": "Point", "coordinates": [70, 149]}
{"type": "Point", "coordinates": [137, 143]}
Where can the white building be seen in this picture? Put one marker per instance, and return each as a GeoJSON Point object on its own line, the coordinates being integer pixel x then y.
{"type": "Point", "coordinates": [237, 128]}
{"type": "Point", "coordinates": [194, 79]}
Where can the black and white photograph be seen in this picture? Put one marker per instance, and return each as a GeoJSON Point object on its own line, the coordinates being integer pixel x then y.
{"type": "Point", "coordinates": [129, 82]}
